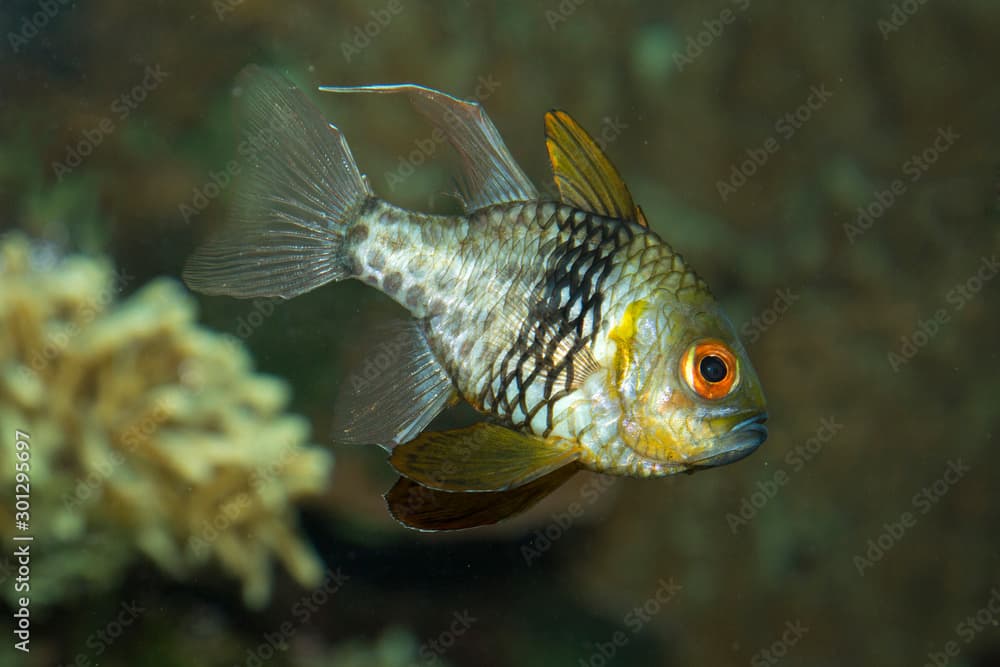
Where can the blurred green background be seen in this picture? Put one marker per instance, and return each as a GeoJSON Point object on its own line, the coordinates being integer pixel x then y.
{"type": "Point", "coordinates": [831, 169]}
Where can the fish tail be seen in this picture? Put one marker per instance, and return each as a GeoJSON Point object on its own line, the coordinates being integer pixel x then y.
{"type": "Point", "coordinates": [299, 194]}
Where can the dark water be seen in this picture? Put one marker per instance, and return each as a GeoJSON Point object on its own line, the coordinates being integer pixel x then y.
{"type": "Point", "coordinates": [831, 169]}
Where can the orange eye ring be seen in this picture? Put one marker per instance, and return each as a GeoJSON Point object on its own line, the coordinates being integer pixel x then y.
{"type": "Point", "coordinates": [710, 368]}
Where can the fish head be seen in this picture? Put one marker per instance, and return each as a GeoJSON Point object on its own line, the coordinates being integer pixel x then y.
{"type": "Point", "coordinates": [690, 398]}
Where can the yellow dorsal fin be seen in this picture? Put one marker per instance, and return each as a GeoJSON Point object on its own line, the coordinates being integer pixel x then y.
{"type": "Point", "coordinates": [583, 173]}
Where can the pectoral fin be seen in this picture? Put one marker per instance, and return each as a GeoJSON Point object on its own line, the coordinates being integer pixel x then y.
{"type": "Point", "coordinates": [483, 457]}
{"type": "Point", "coordinates": [418, 507]}
{"type": "Point", "coordinates": [584, 175]}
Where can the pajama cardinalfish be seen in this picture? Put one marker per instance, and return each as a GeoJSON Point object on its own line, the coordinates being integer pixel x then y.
{"type": "Point", "coordinates": [585, 339]}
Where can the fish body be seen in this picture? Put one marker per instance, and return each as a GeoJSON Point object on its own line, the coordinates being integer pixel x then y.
{"type": "Point", "coordinates": [586, 340]}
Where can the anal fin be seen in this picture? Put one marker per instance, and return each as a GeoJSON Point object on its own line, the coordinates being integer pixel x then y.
{"type": "Point", "coordinates": [394, 391]}
{"type": "Point", "coordinates": [421, 508]}
{"type": "Point", "coordinates": [482, 457]}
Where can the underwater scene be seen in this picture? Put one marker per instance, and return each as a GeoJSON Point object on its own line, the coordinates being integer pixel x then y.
{"type": "Point", "coordinates": [560, 333]}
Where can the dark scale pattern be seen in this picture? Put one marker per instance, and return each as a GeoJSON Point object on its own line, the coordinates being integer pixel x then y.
{"type": "Point", "coordinates": [393, 281]}
{"type": "Point", "coordinates": [563, 320]}
{"type": "Point", "coordinates": [511, 297]}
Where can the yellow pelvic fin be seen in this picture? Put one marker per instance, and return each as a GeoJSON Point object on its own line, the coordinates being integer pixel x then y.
{"type": "Point", "coordinates": [483, 457]}
{"type": "Point", "coordinates": [624, 337]}
{"type": "Point", "coordinates": [583, 173]}
{"type": "Point", "coordinates": [422, 508]}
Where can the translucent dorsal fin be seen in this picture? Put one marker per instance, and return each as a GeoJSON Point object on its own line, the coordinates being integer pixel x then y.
{"type": "Point", "coordinates": [491, 174]}
{"type": "Point", "coordinates": [583, 173]}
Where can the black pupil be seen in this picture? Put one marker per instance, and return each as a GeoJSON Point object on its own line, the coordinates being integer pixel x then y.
{"type": "Point", "coordinates": [713, 369]}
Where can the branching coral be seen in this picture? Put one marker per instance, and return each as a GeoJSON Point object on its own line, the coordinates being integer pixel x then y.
{"type": "Point", "coordinates": [148, 433]}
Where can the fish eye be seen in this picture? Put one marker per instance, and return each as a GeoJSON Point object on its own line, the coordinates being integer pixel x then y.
{"type": "Point", "coordinates": [710, 368]}
{"type": "Point", "coordinates": [713, 369]}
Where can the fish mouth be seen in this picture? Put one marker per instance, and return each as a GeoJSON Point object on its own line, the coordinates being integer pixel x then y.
{"type": "Point", "coordinates": [741, 441]}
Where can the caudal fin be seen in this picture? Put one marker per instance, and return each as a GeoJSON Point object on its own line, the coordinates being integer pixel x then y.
{"type": "Point", "coordinates": [299, 192]}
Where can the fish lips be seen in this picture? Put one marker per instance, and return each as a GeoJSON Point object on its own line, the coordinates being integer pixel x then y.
{"type": "Point", "coordinates": [742, 440]}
